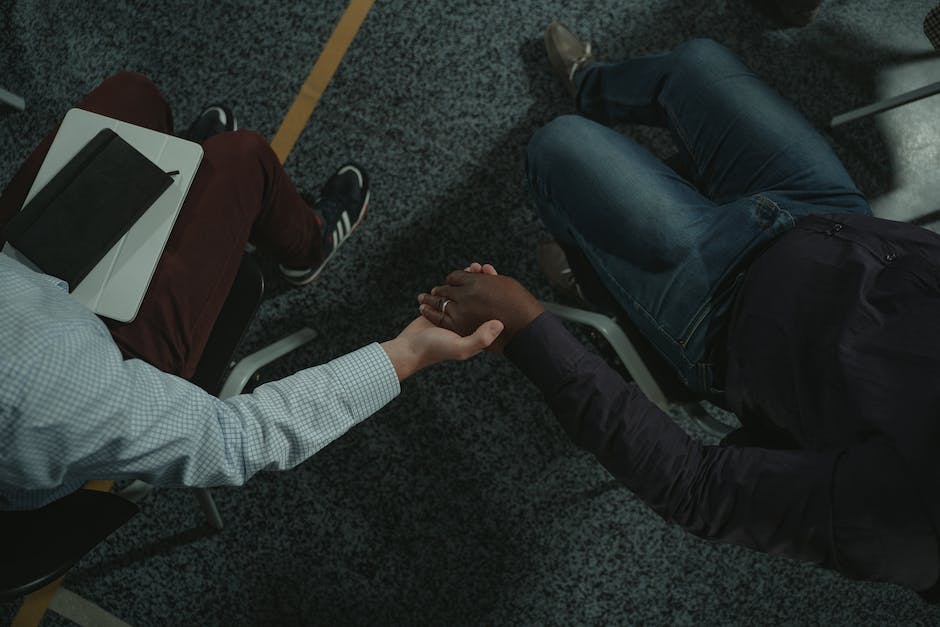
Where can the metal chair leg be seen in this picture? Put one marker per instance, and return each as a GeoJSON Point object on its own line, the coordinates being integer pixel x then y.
{"type": "Point", "coordinates": [706, 421]}
{"type": "Point", "coordinates": [207, 504]}
{"type": "Point", "coordinates": [632, 361]}
{"type": "Point", "coordinates": [81, 611]}
{"type": "Point", "coordinates": [244, 369]}
{"type": "Point", "coordinates": [235, 383]}
{"type": "Point", "coordinates": [886, 104]}
{"type": "Point", "coordinates": [136, 491]}
{"type": "Point", "coordinates": [11, 99]}
{"type": "Point", "coordinates": [618, 340]}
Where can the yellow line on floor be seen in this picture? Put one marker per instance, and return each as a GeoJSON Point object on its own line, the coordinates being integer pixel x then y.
{"type": "Point", "coordinates": [35, 604]}
{"type": "Point", "coordinates": [319, 77]}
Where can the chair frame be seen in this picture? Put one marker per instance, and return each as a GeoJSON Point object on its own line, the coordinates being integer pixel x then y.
{"type": "Point", "coordinates": [12, 100]}
{"type": "Point", "coordinates": [610, 328]}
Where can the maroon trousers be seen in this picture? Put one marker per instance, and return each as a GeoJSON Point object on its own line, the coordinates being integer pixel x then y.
{"type": "Point", "coordinates": [240, 193]}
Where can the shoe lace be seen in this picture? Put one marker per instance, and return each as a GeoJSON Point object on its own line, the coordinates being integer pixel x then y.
{"type": "Point", "coordinates": [580, 61]}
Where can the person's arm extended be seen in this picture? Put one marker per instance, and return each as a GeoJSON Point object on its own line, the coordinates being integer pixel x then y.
{"type": "Point", "coordinates": [103, 417]}
{"type": "Point", "coordinates": [835, 508]}
{"type": "Point", "coordinates": [856, 510]}
{"type": "Point", "coordinates": [737, 495]}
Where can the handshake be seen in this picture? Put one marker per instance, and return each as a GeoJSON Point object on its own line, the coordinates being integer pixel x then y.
{"type": "Point", "coordinates": [475, 310]}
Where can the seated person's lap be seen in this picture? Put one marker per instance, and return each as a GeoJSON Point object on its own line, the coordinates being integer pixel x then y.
{"type": "Point", "coordinates": [204, 249]}
{"type": "Point", "coordinates": [667, 250]}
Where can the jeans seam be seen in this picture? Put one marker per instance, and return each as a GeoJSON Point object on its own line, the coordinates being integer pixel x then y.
{"type": "Point", "coordinates": [703, 311]}
{"type": "Point", "coordinates": [657, 325]}
{"type": "Point", "coordinates": [680, 132]}
{"type": "Point", "coordinates": [640, 308]}
{"type": "Point", "coordinates": [689, 364]}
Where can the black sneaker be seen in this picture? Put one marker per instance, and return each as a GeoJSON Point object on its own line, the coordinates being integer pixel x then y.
{"type": "Point", "coordinates": [214, 119]}
{"type": "Point", "coordinates": [340, 208]}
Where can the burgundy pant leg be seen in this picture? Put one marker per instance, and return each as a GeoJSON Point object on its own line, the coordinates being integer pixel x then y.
{"type": "Point", "coordinates": [240, 191]}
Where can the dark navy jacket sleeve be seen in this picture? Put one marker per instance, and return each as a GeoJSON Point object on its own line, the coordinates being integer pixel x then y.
{"type": "Point", "coordinates": [779, 502]}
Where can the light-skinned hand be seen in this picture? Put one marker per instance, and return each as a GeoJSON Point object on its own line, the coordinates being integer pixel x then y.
{"type": "Point", "coordinates": [422, 344]}
{"type": "Point", "coordinates": [484, 268]}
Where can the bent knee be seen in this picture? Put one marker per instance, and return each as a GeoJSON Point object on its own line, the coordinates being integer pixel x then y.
{"type": "Point", "coordinates": [133, 85]}
{"type": "Point", "coordinates": [562, 128]}
{"type": "Point", "coordinates": [238, 146]}
{"type": "Point", "coordinates": [559, 137]}
{"type": "Point", "coordinates": [701, 47]}
{"type": "Point", "coordinates": [706, 57]}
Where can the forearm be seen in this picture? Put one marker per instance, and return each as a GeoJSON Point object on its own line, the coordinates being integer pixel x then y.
{"type": "Point", "coordinates": [139, 422]}
{"type": "Point", "coordinates": [774, 501]}
{"type": "Point", "coordinates": [404, 359]}
{"type": "Point", "coordinates": [284, 422]}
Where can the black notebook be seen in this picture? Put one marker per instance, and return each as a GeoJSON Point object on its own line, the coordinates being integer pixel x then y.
{"type": "Point", "coordinates": [72, 222]}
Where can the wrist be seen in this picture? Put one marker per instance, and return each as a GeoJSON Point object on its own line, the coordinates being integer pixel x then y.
{"type": "Point", "coordinates": [404, 358]}
{"type": "Point", "coordinates": [528, 313]}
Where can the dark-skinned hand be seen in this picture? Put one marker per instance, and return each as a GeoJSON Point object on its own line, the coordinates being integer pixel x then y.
{"type": "Point", "coordinates": [478, 294]}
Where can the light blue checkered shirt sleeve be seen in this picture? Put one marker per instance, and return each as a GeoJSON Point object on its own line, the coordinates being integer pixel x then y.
{"type": "Point", "coordinates": [71, 409]}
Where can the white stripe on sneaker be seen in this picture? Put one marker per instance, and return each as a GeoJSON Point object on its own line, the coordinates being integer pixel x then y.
{"type": "Point", "coordinates": [346, 223]}
{"type": "Point", "coordinates": [351, 168]}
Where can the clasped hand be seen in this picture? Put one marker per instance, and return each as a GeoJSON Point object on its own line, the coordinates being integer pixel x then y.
{"type": "Point", "coordinates": [484, 311]}
{"type": "Point", "coordinates": [478, 294]}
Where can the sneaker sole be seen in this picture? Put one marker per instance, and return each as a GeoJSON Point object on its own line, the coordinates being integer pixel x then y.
{"type": "Point", "coordinates": [316, 273]}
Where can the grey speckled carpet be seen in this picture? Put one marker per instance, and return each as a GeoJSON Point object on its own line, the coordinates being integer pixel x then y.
{"type": "Point", "coordinates": [462, 502]}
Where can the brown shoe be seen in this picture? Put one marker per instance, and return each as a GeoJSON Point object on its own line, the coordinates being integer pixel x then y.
{"type": "Point", "coordinates": [557, 271]}
{"type": "Point", "coordinates": [566, 53]}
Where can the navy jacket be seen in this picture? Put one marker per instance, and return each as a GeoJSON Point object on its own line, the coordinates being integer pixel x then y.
{"type": "Point", "coordinates": [834, 341]}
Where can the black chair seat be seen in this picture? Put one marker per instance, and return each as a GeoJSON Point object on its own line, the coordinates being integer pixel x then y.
{"type": "Point", "coordinates": [40, 545]}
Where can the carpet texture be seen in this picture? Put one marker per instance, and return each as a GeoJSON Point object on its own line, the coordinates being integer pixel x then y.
{"type": "Point", "coordinates": [461, 502]}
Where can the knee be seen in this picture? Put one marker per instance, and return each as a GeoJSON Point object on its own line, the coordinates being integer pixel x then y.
{"type": "Point", "coordinates": [706, 56]}
{"type": "Point", "coordinates": [561, 130]}
{"type": "Point", "coordinates": [701, 46]}
{"type": "Point", "coordinates": [133, 86]}
{"type": "Point", "coordinates": [238, 147]}
{"type": "Point", "coordinates": [552, 143]}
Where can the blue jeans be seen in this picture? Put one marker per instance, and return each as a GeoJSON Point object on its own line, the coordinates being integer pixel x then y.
{"type": "Point", "coordinates": [672, 250]}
